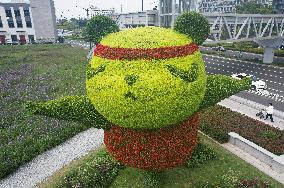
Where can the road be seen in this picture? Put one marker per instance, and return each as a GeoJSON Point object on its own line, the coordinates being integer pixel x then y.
{"type": "Point", "coordinates": [242, 55]}
{"type": "Point", "coordinates": [273, 76]}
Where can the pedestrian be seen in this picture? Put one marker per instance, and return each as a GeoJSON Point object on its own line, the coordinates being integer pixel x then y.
{"type": "Point", "coordinates": [269, 112]}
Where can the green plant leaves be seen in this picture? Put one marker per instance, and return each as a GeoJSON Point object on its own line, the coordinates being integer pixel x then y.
{"type": "Point", "coordinates": [91, 72]}
{"type": "Point", "coordinates": [73, 108]}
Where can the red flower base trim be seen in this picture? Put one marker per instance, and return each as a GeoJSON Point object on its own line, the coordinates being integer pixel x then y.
{"type": "Point", "coordinates": [156, 53]}
{"type": "Point", "coordinates": [153, 150]}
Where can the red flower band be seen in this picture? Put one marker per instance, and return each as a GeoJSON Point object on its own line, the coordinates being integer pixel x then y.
{"type": "Point", "coordinates": [136, 53]}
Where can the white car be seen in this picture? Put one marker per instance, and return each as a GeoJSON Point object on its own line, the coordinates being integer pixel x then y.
{"type": "Point", "coordinates": [256, 83]}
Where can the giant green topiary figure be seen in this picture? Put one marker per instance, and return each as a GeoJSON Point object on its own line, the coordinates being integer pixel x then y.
{"type": "Point", "coordinates": [145, 87]}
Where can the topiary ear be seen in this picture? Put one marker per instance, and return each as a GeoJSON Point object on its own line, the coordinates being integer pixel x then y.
{"type": "Point", "coordinates": [194, 25]}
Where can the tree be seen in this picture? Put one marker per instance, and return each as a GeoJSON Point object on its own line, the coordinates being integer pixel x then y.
{"type": "Point", "coordinates": [98, 27]}
{"type": "Point", "coordinates": [252, 7]}
{"type": "Point", "coordinates": [194, 25]}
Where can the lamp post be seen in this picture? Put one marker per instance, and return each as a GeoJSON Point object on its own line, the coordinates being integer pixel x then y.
{"type": "Point", "coordinates": [87, 11]}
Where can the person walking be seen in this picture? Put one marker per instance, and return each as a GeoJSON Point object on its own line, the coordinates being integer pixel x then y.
{"type": "Point", "coordinates": [269, 112]}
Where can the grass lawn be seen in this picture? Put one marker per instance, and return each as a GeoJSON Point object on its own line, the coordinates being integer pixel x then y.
{"type": "Point", "coordinates": [225, 169]}
{"type": "Point", "coordinates": [31, 73]}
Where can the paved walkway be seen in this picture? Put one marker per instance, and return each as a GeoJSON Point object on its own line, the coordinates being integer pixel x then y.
{"type": "Point", "coordinates": [43, 166]}
{"type": "Point", "coordinates": [250, 108]}
{"type": "Point", "coordinates": [255, 162]}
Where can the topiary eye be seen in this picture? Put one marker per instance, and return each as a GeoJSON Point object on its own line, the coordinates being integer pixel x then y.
{"type": "Point", "coordinates": [130, 95]}
{"type": "Point", "coordinates": [131, 79]}
{"type": "Point", "coordinates": [187, 76]}
{"type": "Point", "coordinates": [91, 72]}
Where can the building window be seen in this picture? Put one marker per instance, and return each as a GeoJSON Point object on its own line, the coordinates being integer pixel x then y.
{"type": "Point", "coordinates": [14, 38]}
{"type": "Point", "coordinates": [31, 38]}
{"type": "Point", "coordinates": [26, 12]}
{"type": "Point", "coordinates": [11, 24]}
{"type": "Point", "coordinates": [1, 24]}
{"type": "Point", "coordinates": [29, 24]}
{"type": "Point", "coordinates": [8, 13]}
{"type": "Point", "coordinates": [17, 13]}
{"type": "Point", "coordinates": [19, 24]}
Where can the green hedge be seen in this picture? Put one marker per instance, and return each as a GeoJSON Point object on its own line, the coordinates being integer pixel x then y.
{"type": "Point", "coordinates": [146, 37]}
{"type": "Point", "coordinates": [194, 25]}
{"type": "Point", "coordinates": [74, 108]}
{"type": "Point", "coordinates": [98, 171]}
{"type": "Point", "coordinates": [220, 87]}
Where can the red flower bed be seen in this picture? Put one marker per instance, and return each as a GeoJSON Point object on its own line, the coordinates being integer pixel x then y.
{"type": "Point", "coordinates": [153, 150]}
{"type": "Point", "coordinates": [156, 53]}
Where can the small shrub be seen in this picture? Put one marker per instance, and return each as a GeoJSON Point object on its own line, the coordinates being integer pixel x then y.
{"type": "Point", "coordinates": [150, 179]}
{"type": "Point", "coordinates": [194, 25]}
{"type": "Point", "coordinates": [253, 183]}
{"type": "Point", "coordinates": [97, 172]}
{"type": "Point", "coordinates": [269, 134]}
{"type": "Point", "coordinates": [201, 155]}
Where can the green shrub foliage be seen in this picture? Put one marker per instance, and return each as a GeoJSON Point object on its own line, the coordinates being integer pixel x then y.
{"type": "Point", "coordinates": [74, 108]}
{"type": "Point", "coordinates": [201, 155]}
{"type": "Point", "coordinates": [98, 171]}
{"type": "Point", "coordinates": [220, 87]}
{"type": "Point", "coordinates": [194, 25]}
{"type": "Point", "coordinates": [98, 27]}
{"type": "Point", "coordinates": [146, 93]}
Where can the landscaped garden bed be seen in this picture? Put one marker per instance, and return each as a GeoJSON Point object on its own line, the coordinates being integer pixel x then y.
{"type": "Point", "coordinates": [36, 72]}
{"type": "Point", "coordinates": [218, 121]}
{"type": "Point", "coordinates": [210, 166]}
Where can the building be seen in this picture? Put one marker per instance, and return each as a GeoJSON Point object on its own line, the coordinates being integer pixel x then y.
{"type": "Point", "coordinates": [138, 19]}
{"type": "Point", "coordinates": [94, 11]}
{"type": "Point", "coordinates": [278, 6]}
{"type": "Point", "coordinates": [225, 6]}
{"type": "Point", "coordinates": [27, 22]}
{"type": "Point", "coordinates": [170, 9]}
{"type": "Point", "coordinates": [217, 6]}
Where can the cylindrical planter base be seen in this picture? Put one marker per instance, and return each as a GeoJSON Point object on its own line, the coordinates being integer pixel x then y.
{"type": "Point", "coordinates": [153, 150]}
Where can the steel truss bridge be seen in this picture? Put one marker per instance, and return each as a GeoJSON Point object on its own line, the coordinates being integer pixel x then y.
{"type": "Point", "coordinates": [245, 27]}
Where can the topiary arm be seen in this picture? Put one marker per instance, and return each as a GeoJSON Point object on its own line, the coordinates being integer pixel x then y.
{"type": "Point", "coordinates": [220, 87]}
{"type": "Point", "coordinates": [74, 108]}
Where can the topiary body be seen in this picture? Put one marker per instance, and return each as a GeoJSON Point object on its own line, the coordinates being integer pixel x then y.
{"type": "Point", "coordinates": [144, 88]}
{"type": "Point", "coordinates": [147, 92]}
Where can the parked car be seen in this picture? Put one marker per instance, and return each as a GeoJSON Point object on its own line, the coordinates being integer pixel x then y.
{"type": "Point", "coordinates": [219, 48]}
{"type": "Point", "coordinates": [256, 83]}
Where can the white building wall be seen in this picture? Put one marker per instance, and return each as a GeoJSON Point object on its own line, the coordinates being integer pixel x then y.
{"type": "Point", "coordinates": [8, 32]}
{"type": "Point", "coordinates": [43, 13]}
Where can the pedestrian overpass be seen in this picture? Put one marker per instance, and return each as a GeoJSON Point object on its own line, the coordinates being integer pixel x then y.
{"type": "Point", "coordinates": [266, 30]}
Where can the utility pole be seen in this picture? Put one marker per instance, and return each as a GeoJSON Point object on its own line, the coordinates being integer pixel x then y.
{"type": "Point", "coordinates": [142, 5]}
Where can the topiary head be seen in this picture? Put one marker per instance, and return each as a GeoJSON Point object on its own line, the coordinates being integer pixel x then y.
{"type": "Point", "coordinates": [146, 78]}
{"type": "Point", "coordinates": [194, 25]}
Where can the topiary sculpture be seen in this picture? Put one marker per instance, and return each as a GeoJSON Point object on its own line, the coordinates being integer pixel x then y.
{"type": "Point", "coordinates": [145, 87]}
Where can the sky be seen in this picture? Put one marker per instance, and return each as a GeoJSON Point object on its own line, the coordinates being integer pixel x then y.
{"type": "Point", "coordinates": [67, 8]}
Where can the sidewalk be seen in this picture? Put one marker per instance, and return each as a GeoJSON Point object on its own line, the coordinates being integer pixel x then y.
{"type": "Point", "coordinates": [250, 108]}
{"type": "Point", "coordinates": [255, 162]}
{"type": "Point", "coordinates": [44, 165]}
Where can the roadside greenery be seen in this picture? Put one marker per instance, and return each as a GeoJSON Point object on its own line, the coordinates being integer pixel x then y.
{"type": "Point", "coordinates": [194, 25]}
{"type": "Point", "coordinates": [218, 121]}
{"type": "Point", "coordinates": [253, 7]}
{"type": "Point", "coordinates": [31, 73]}
{"type": "Point", "coordinates": [98, 27]}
